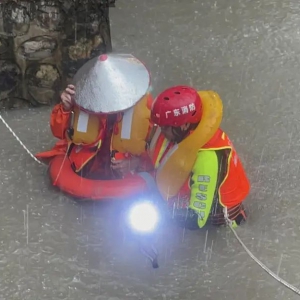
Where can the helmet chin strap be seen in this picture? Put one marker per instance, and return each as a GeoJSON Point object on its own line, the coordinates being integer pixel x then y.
{"type": "Point", "coordinates": [180, 134]}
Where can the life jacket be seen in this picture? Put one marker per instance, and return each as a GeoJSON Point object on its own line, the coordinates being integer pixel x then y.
{"type": "Point", "coordinates": [88, 132]}
{"type": "Point", "coordinates": [174, 169]}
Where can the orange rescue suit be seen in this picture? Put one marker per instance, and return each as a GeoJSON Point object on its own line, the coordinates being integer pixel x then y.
{"type": "Point", "coordinates": [96, 138]}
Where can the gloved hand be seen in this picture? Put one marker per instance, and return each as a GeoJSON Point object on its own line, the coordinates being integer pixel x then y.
{"type": "Point", "coordinates": [186, 217]}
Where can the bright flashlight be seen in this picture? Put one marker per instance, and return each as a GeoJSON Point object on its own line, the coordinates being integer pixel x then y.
{"type": "Point", "coordinates": [143, 217]}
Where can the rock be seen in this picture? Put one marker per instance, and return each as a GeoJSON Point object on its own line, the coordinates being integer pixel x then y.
{"type": "Point", "coordinates": [44, 43]}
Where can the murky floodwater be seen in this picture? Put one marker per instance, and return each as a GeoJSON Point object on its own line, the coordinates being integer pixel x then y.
{"type": "Point", "coordinates": [247, 51]}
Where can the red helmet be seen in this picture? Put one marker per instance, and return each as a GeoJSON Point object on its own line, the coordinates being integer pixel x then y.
{"type": "Point", "coordinates": [177, 106]}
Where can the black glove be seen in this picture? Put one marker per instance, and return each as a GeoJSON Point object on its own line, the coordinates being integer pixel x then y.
{"type": "Point", "coordinates": [187, 218]}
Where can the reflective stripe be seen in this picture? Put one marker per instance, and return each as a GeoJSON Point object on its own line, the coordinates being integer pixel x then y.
{"type": "Point", "coordinates": [91, 129]}
{"type": "Point", "coordinates": [161, 144]}
{"type": "Point", "coordinates": [157, 148]}
{"type": "Point", "coordinates": [154, 139]}
{"type": "Point", "coordinates": [127, 124]}
{"type": "Point", "coordinates": [161, 152]}
{"type": "Point", "coordinates": [170, 152]}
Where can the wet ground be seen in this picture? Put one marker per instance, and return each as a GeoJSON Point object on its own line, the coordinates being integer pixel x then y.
{"type": "Point", "coordinates": [247, 51]}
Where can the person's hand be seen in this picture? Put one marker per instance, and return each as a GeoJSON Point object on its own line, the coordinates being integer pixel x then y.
{"type": "Point", "coordinates": [186, 218]}
{"type": "Point", "coordinates": [125, 166]}
{"type": "Point", "coordinates": [67, 97]}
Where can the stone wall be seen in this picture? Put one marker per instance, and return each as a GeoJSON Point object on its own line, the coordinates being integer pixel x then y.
{"type": "Point", "coordinates": [43, 43]}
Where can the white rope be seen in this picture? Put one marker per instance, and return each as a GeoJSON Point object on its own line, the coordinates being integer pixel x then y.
{"type": "Point", "coordinates": [21, 143]}
{"type": "Point", "coordinates": [27, 150]}
{"type": "Point", "coordinates": [263, 266]}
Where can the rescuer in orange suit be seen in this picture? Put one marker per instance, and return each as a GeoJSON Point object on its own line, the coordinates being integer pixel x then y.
{"type": "Point", "coordinates": [99, 151]}
{"type": "Point", "coordinates": [197, 168]}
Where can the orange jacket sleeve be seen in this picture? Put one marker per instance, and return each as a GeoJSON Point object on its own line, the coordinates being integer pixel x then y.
{"type": "Point", "coordinates": [59, 121]}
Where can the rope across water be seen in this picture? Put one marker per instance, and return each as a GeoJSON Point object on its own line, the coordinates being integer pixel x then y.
{"type": "Point", "coordinates": [229, 222]}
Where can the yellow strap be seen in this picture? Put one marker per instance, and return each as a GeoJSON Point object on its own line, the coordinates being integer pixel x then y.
{"type": "Point", "coordinates": [98, 145]}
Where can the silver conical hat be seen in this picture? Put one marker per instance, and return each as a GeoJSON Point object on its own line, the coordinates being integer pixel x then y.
{"type": "Point", "coordinates": [111, 83]}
